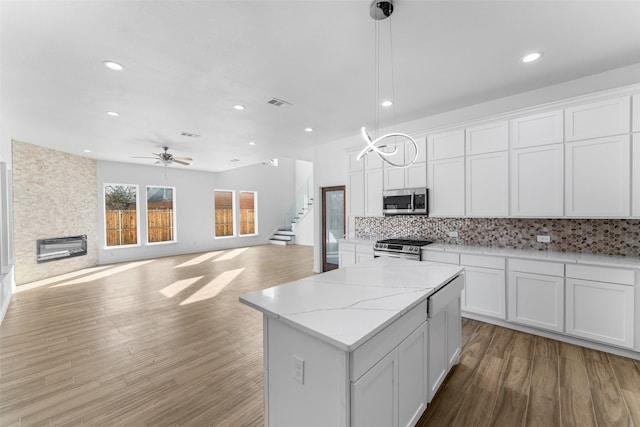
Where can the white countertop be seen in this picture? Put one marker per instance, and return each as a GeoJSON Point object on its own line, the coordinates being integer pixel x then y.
{"type": "Point", "coordinates": [346, 307]}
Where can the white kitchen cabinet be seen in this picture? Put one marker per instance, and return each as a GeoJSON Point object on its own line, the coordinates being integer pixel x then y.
{"type": "Point", "coordinates": [537, 181]}
{"type": "Point", "coordinates": [412, 377]}
{"type": "Point", "coordinates": [446, 187]}
{"type": "Point", "coordinates": [536, 294]}
{"type": "Point", "coordinates": [373, 192]}
{"type": "Point", "coordinates": [444, 343]}
{"type": "Point", "coordinates": [636, 113]}
{"type": "Point", "coordinates": [412, 176]}
{"type": "Point", "coordinates": [484, 291]}
{"type": "Point", "coordinates": [374, 397]}
{"type": "Point", "coordinates": [487, 138]}
{"type": "Point", "coordinates": [596, 119]}
{"type": "Point", "coordinates": [487, 189]}
{"type": "Point", "coordinates": [350, 253]}
{"type": "Point", "coordinates": [355, 165]}
{"type": "Point", "coordinates": [635, 175]}
{"type": "Point", "coordinates": [600, 311]}
{"type": "Point", "coordinates": [538, 129]}
{"type": "Point", "coordinates": [445, 145]}
{"type": "Point", "coordinates": [364, 252]}
{"type": "Point", "coordinates": [598, 177]}
{"type": "Point", "coordinates": [355, 190]}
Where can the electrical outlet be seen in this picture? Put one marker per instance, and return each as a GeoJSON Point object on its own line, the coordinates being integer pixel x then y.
{"type": "Point", "coordinates": [298, 369]}
{"type": "Point", "coordinates": [453, 234]}
{"type": "Point", "coordinates": [544, 239]}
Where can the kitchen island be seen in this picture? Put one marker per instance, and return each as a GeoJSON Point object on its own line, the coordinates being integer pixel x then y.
{"type": "Point", "coordinates": [364, 345]}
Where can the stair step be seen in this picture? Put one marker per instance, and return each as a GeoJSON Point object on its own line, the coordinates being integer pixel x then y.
{"type": "Point", "coordinates": [278, 242]}
{"type": "Point", "coordinates": [286, 237]}
{"type": "Point", "coordinates": [285, 233]}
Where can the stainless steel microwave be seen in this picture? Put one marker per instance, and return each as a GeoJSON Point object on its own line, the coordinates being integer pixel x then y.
{"type": "Point", "coordinates": [409, 201]}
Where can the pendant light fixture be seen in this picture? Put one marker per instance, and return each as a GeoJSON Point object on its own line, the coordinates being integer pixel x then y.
{"type": "Point", "coordinates": [382, 146]}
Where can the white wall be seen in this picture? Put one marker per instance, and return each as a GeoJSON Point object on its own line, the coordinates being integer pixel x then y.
{"type": "Point", "coordinates": [194, 205]}
{"type": "Point", "coordinates": [7, 281]}
{"type": "Point", "coordinates": [330, 159]}
{"type": "Point", "coordinates": [304, 228]}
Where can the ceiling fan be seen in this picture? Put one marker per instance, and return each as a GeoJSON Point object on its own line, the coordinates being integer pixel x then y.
{"type": "Point", "coordinates": [167, 158]}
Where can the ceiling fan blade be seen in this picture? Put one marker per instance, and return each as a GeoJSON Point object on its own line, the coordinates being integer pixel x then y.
{"type": "Point", "coordinates": [181, 162]}
{"type": "Point", "coordinates": [138, 157]}
{"type": "Point", "coordinates": [186, 159]}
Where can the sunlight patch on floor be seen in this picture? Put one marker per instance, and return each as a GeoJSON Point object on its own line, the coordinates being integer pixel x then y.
{"type": "Point", "coordinates": [178, 286]}
{"type": "Point", "coordinates": [50, 280]}
{"type": "Point", "coordinates": [230, 255]}
{"type": "Point", "coordinates": [199, 259]}
{"type": "Point", "coordinates": [105, 273]}
{"type": "Point", "coordinates": [214, 287]}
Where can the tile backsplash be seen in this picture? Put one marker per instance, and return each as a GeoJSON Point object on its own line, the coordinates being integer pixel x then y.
{"type": "Point", "coordinates": [595, 236]}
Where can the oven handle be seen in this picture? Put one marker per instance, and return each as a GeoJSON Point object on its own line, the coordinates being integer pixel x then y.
{"type": "Point", "coordinates": [396, 255]}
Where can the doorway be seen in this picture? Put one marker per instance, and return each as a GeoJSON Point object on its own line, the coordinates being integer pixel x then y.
{"type": "Point", "coordinates": [333, 227]}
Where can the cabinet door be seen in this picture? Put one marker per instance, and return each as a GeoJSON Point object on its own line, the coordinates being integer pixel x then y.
{"type": "Point", "coordinates": [355, 190]}
{"type": "Point", "coordinates": [438, 355]}
{"type": "Point", "coordinates": [374, 397]}
{"type": "Point", "coordinates": [598, 177]}
{"type": "Point", "coordinates": [346, 258]}
{"type": "Point", "coordinates": [355, 165]}
{"type": "Point", "coordinates": [484, 292]}
{"type": "Point", "coordinates": [487, 138]}
{"type": "Point", "coordinates": [373, 199]}
{"type": "Point", "coordinates": [487, 185]}
{"type": "Point", "coordinates": [363, 257]}
{"type": "Point", "coordinates": [536, 300]}
{"type": "Point", "coordinates": [596, 119]}
{"type": "Point", "coordinates": [537, 181]}
{"type": "Point", "coordinates": [445, 145]}
{"type": "Point", "coordinates": [416, 175]}
{"type": "Point", "coordinates": [393, 178]}
{"type": "Point", "coordinates": [635, 174]}
{"type": "Point", "coordinates": [446, 187]}
{"type": "Point", "coordinates": [454, 332]}
{"type": "Point", "coordinates": [412, 387]}
{"type": "Point", "coordinates": [538, 129]}
{"type": "Point", "coordinates": [600, 311]}
{"type": "Point", "coordinates": [636, 113]}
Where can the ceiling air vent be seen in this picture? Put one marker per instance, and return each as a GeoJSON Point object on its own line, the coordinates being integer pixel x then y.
{"type": "Point", "coordinates": [279, 102]}
{"type": "Point", "coordinates": [190, 135]}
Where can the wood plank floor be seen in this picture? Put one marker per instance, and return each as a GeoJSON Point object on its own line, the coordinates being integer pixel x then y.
{"type": "Point", "coordinates": [165, 342]}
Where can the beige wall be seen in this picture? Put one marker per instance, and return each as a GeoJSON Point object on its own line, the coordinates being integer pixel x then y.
{"type": "Point", "coordinates": [54, 196]}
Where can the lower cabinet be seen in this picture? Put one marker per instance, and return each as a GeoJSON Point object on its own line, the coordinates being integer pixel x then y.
{"type": "Point", "coordinates": [601, 311]}
{"type": "Point", "coordinates": [536, 294]}
{"type": "Point", "coordinates": [444, 344]}
{"type": "Point", "coordinates": [484, 291]}
{"type": "Point", "coordinates": [412, 385]}
{"type": "Point", "coordinates": [350, 253]}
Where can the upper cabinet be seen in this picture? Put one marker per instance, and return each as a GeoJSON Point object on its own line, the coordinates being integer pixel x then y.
{"type": "Point", "coordinates": [446, 187]}
{"type": "Point", "coordinates": [636, 113]}
{"type": "Point", "coordinates": [603, 118]}
{"type": "Point", "coordinates": [355, 165]}
{"type": "Point", "coordinates": [411, 176]}
{"type": "Point", "coordinates": [445, 145]}
{"type": "Point", "coordinates": [635, 181]}
{"type": "Point", "coordinates": [487, 189]}
{"type": "Point", "coordinates": [487, 138]}
{"type": "Point", "coordinates": [538, 129]}
{"type": "Point", "coordinates": [598, 177]}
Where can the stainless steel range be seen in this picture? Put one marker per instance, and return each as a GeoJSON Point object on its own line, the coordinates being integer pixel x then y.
{"type": "Point", "coordinates": [400, 248]}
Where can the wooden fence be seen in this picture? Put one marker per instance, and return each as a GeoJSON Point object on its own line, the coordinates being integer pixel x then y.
{"type": "Point", "coordinates": [122, 227]}
{"type": "Point", "coordinates": [224, 222]}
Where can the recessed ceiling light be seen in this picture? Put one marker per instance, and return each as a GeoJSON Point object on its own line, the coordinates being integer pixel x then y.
{"type": "Point", "coordinates": [387, 103]}
{"type": "Point", "coordinates": [308, 129]}
{"type": "Point", "coordinates": [87, 151]}
{"type": "Point", "coordinates": [113, 113]}
{"type": "Point", "coordinates": [533, 56]}
{"type": "Point", "coordinates": [252, 143]}
{"type": "Point", "coordinates": [112, 65]}
{"type": "Point", "coordinates": [239, 107]}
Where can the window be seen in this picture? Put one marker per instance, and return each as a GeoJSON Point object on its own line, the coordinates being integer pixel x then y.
{"type": "Point", "coordinates": [248, 213]}
{"type": "Point", "coordinates": [121, 214]}
{"type": "Point", "coordinates": [223, 211]}
{"type": "Point", "coordinates": [161, 214]}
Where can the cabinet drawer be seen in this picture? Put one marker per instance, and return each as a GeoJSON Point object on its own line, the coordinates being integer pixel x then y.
{"type": "Point", "coordinates": [446, 257]}
{"type": "Point", "coordinates": [537, 267]}
{"type": "Point", "coordinates": [363, 248]}
{"type": "Point", "coordinates": [441, 299]}
{"type": "Point", "coordinates": [345, 246]}
{"type": "Point", "coordinates": [485, 261]}
{"type": "Point", "coordinates": [601, 274]}
{"type": "Point", "coordinates": [372, 351]}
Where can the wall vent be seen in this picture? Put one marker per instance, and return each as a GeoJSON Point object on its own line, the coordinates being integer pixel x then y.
{"type": "Point", "coordinates": [279, 102]}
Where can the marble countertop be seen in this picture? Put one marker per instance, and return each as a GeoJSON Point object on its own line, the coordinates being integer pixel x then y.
{"type": "Point", "coordinates": [554, 256]}
{"type": "Point", "coordinates": [348, 306]}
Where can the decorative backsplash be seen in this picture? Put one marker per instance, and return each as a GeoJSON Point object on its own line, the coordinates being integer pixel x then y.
{"type": "Point", "coordinates": [595, 236]}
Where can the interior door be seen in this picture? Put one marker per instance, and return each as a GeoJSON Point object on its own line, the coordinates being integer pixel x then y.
{"type": "Point", "coordinates": [333, 207]}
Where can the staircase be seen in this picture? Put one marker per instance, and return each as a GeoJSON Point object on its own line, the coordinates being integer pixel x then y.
{"type": "Point", "coordinates": [285, 234]}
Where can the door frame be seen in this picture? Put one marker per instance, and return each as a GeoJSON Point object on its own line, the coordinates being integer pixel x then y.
{"type": "Point", "coordinates": [326, 266]}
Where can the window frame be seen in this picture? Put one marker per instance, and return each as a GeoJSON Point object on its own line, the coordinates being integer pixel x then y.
{"type": "Point", "coordinates": [233, 214]}
{"type": "Point", "coordinates": [174, 215]}
{"type": "Point", "coordinates": [255, 214]}
{"type": "Point", "coordinates": [104, 213]}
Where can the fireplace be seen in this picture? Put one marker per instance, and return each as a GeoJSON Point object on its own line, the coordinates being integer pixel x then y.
{"type": "Point", "coordinates": [61, 247]}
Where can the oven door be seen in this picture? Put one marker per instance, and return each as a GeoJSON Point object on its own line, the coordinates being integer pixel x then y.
{"type": "Point", "coordinates": [400, 255]}
{"type": "Point", "coordinates": [397, 204]}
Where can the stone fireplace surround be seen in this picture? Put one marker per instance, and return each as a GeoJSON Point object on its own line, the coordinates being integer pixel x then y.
{"type": "Point", "coordinates": [594, 236]}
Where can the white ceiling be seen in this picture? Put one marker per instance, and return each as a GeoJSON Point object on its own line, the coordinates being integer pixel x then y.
{"type": "Point", "coordinates": [188, 62]}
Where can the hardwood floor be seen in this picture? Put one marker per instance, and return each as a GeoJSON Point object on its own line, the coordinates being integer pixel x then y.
{"type": "Point", "coordinates": [165, 342]}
